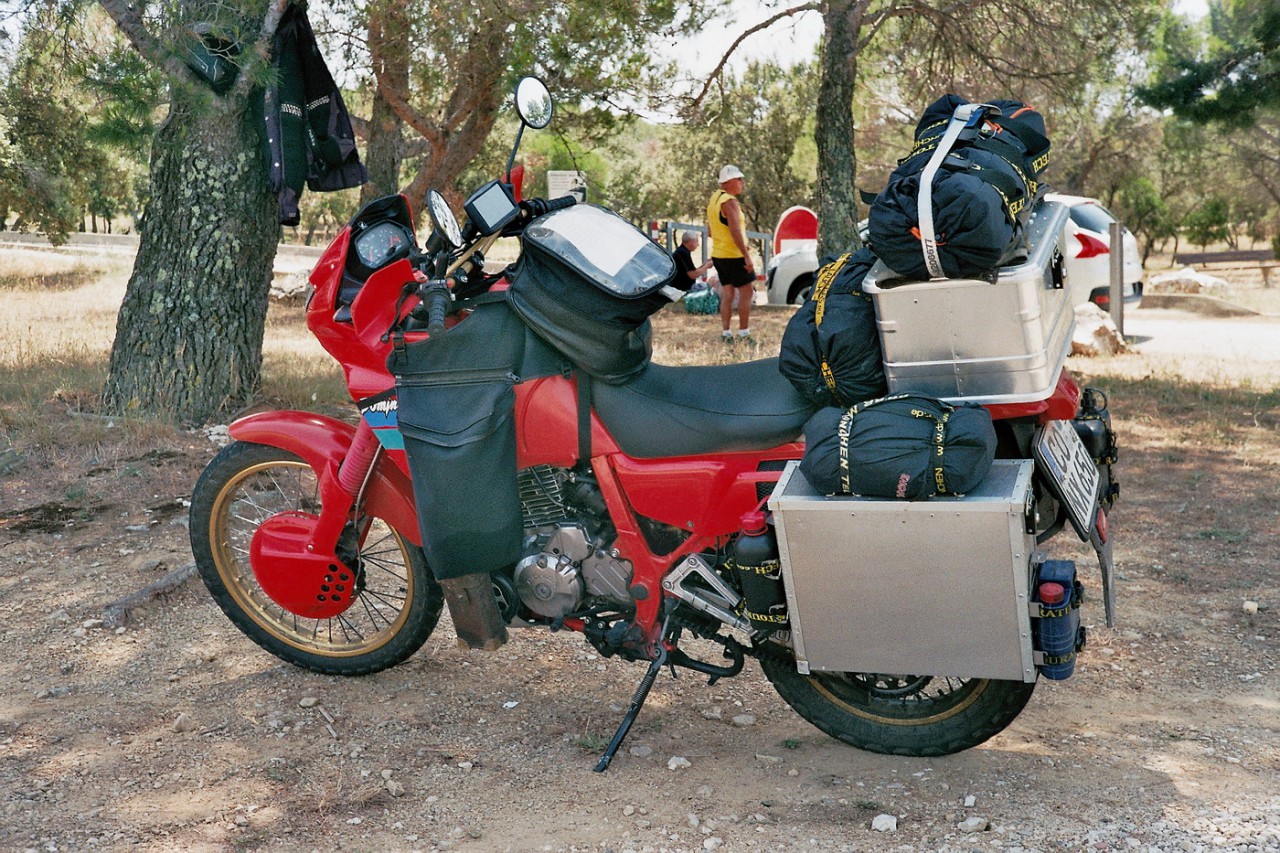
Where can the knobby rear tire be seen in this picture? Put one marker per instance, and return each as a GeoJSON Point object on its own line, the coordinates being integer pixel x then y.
{"type": "Point", "coordinates": [396, 610]}
{"type": "Point", "coordinates": [900, 715]}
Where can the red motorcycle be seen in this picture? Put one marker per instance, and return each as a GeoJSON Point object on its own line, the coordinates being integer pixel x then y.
{"type": "Point", "coordinates": [632, 497]}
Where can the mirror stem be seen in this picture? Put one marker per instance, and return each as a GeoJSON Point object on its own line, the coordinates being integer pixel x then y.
{"type": "Point", "coordinates": [511, 161]}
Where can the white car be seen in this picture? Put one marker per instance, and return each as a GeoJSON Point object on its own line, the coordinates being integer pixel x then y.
{"type": "Point", "coordinates": [1088, 253]}
{"type": "Point", "coordinates": [789, 277]}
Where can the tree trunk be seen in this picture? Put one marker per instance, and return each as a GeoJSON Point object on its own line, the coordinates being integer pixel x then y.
{"type": "Point", "coordinates": [189, 335]}
{"type": "Point", "coordinates": [389, 43]}
{"type": "Point", "coordinates": [837, 163]}
{"type": "Point", "coordinates": [382, 153]}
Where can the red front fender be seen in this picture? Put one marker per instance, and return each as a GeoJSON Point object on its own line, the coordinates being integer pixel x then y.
{"type": "Point", "coordinates": [323, 443]}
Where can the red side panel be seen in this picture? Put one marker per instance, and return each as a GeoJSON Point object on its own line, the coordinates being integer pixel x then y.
{"type": "Point", "coordinates": [703, 495]}
{"type": "Point", "coordinates": [547, 424]}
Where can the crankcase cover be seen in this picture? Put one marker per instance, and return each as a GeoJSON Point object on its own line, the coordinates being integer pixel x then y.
{"type": "Point", "coordinates": [549, 584]}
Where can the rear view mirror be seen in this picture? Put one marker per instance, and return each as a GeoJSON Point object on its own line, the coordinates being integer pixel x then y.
{"type": "Point", "coordinates": [534, 103]}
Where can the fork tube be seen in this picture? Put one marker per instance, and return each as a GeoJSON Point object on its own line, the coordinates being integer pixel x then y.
{"type": "Point", "coordinates": [355, 468]}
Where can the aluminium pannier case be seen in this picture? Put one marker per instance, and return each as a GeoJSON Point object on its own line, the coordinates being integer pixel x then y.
{"type": "Point", "coordinates": [586, 282]}
{"type": "Point", "coordinates": [937, 587]}
{"type": "Point", "coordinates": [1002, 339]}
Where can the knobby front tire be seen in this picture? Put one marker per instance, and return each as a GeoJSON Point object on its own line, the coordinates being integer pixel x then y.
{"type": "Point", "coordinates": [395, 611]}
{"type": "Point", "coordinates": [900, 714]}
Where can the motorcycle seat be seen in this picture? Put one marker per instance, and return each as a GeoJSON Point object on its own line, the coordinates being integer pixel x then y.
{"type": "Point", "coordinates": [685, 411]}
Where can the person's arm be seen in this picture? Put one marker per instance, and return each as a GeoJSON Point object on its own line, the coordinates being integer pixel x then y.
{"type": "Point", "coordinates": [733, 215]}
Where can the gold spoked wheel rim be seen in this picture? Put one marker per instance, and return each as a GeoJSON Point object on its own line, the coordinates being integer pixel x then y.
{"type": "Point", "coordinates": [377, 613]}
{"type": "Point", "coordinates": [899, 700]}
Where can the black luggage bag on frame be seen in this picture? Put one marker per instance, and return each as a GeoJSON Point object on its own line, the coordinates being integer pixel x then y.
{"type": "Point", "coordinates": [904, 446]}
{"type": "Point", "coordinates": [957, 205]}
{"type": "Point", "coordinates": [831, 347]}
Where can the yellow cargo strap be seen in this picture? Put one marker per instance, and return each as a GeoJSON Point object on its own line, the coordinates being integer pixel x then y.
{"type": "Point", "coordinates": [826, 276]}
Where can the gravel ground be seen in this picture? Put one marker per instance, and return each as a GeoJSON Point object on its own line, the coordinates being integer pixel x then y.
{"type": "Point", "coordinates": [174, 731]}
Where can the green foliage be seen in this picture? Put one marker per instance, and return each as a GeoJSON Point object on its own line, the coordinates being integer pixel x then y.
{"type": "Point", "coordinates": [77, 110]}
{"type": "Point", "coordinates": [757, 122]}
{"type": "Point", "coordinates": [451, 65]}
{"type": "Point", "coordinates": [1225, 76]}
{"type": "Point", "coordinates": [1146, 212]}
{"type": "Point", "coordinates": [1209, 223]}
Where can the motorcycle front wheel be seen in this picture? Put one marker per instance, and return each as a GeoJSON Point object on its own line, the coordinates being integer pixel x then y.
{"type": "Point", "coordinates": [900, 714]}
{"type": "Point", "coordinates": [398, 602]}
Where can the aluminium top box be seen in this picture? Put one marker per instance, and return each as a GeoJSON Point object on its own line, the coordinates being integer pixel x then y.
{"type": "Point", "coordinates": [978, 341]}
{"type": "Point", "coordinates": [936, 587]}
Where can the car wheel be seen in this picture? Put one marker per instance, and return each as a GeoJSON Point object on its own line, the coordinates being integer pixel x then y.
{"type": "Point", "coordinates": [801, 289]}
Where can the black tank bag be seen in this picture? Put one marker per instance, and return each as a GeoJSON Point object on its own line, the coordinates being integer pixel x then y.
{"type": "Point", "coordinates": [587, 282]}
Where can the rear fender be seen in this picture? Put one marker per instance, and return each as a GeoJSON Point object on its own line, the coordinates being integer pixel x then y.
{"type": "Point", "coordinates": [323, 443]}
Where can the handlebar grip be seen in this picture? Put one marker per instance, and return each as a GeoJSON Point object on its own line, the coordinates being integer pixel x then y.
{"type": "Point", "coordinates": [561, 203]}
{"type": "Point", "coordinates": [535, 207]}
{"type": "Point", "coordinates": [436, 295]}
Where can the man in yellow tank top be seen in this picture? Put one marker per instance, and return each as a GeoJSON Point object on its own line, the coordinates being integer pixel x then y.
{"type": "Point", "coordinates": [729, 252]}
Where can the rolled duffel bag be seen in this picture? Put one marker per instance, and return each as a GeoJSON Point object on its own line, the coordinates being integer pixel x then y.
{"type": "Point", "coordinates": [957, 205]}
{"type": "Point", "coordinates": [586, 282]}
{"type": "Point", "coordinates": [905, 446]}
{"type": "Point", "coordinates": [831, 348]}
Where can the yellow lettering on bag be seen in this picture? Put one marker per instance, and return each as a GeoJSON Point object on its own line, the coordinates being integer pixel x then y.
{"type": "Point", "coordinates": [826, 276]}
{"type": "Point", "coordinates": [828, 376]}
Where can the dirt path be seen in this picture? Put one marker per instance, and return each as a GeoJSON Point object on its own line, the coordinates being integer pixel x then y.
{"type": "Point", "coordinates": [176, 732]}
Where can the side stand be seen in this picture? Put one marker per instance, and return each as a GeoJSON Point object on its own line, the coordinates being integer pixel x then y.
{"type": "Point", "coordinates": [637, 702]}
{"type": "Point", "coordinates": [641, 694]}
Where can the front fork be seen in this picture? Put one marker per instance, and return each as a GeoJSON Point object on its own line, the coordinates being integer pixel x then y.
{"type": "Point", "coordinates": [342, 484]}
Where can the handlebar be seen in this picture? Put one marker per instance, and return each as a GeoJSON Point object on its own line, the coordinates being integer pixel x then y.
{"type": "Point", "coordinates": [539, 206]}
{"type": "Point", "coordinates": [435, 295]}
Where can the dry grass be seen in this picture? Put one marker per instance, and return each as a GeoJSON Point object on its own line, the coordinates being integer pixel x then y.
{"type": "Point", "coordinates": [682, 339]}
{"type": "Point", "coordinates": [44, 271]}
{"type": "Point", "coordinates": [54, 347]}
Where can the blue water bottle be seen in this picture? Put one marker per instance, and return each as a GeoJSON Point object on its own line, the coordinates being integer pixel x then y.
{"type": "Point", "coordinates": [1058, 633]}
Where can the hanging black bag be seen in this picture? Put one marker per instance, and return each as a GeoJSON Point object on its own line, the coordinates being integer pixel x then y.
{"type": "Point", "coordinates": [906, 446]}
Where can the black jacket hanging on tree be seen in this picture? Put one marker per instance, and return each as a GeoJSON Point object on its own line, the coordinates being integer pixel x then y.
{"type": "Point", "coordinates": [306, 128]}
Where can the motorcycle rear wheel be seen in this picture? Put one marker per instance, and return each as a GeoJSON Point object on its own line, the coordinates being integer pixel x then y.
{"type": "Point", "coordinates": [900, 714]}
{"type": "Point", "coordinates": [390, 618]}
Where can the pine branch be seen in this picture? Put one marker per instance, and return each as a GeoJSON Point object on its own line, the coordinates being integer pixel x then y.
{"type": "Point", "coordinates": [728, 54]}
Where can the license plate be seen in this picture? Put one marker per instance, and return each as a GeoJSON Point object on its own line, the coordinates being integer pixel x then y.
{"type": "Point", "coordinates": [1071, 473]}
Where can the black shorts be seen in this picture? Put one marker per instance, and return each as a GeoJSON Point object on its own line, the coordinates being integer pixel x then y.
{"type": "Point", "coordinates": [733, 272]}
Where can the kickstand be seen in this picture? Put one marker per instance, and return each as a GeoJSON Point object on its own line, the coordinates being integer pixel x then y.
{"type": "Point", "coordinates": [637, 702]}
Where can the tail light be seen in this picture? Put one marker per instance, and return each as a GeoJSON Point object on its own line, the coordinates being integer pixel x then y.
{"type": "Point", "coordinates": [1090, 246]}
